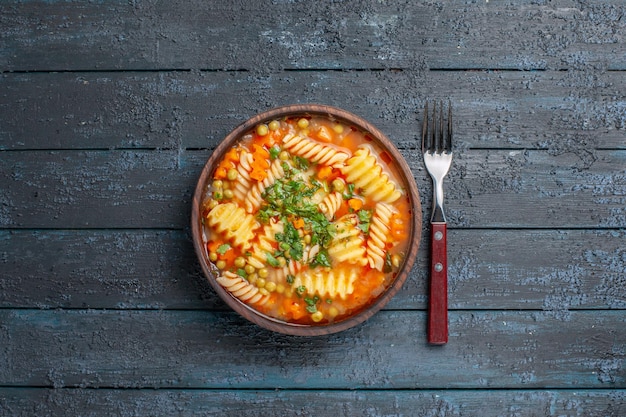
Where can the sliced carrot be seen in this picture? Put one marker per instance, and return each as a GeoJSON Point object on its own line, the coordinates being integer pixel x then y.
{"type": "Point", "coordinates": [228, 256]}
{"type": "Point", "coordinates": [398, 228]}
{"type": "Point", "coordinates": [355, 203]}
{"type": "Point", "coordinates": [260, 162]}
{"type": "Point", "coordinates": [212, 246]}
{"type": "Point", "coordinates": [293, 309]}
{"type": "Point", "coordinates": [323, 133]}
{"type": "Point", "coordinates": [298, 223]}
{"type": "Point", "coordinates": [324, 172]}
{"type": "Point", "coordinates": [228, 162]}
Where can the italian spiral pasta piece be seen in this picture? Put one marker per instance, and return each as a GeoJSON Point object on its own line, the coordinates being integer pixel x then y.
{"type": "Point", "coordinates": [279, 275]}
{"type": "Point", "coordinates": [348, 244]}
{"type": "Point", "coordinates": [364, 171]}
{"type": "Point", "coordinates": [267, 244]}
{"type": "Point", "coordinates": [242, 289]}
{"type": "Point", "coordinates": [254, 197]}
{"type": "Point", "coordinates": [309, 253]}
{"type": "Point", "coordinates": [328, 282]}
{"type": "Point", "coordinates": [330, 204]}
{"type": "Point", "coordinates": [378, 235]}
{"type": "Point", "coordinates": [234, 223]}
{"type": "Point", "coordinates": [244, 182]}
{"type": "Point", "coordinates": [314, 151]}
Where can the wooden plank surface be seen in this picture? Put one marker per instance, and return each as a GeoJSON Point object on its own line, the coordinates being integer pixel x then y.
{"type": "Point", "coordinates": [148, 189]}
{"type": "Point", "coordinates": [257, 403]}
{"type": "Point", "coordinates": [567, 111]}
{"type": "Point", "coordinates": [49, 35]}
{"type": "Point", "coordinates": [196, 349]}
{"type": "Point", "coordinates": [109, 109]}
{"type": "Point", "coordinates": [551, 270]}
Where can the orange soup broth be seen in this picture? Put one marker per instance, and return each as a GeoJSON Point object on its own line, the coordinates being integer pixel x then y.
{"type": "Point", "coordinates": [285, 301]}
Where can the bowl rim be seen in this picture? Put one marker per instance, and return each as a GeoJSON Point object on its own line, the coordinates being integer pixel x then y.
{"type": "Point", "coordinates": [248, 312]}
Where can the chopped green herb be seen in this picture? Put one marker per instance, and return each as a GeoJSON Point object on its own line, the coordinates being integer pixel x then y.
{"type": "Point", "coordinates": [388, 266]}
{"type": "Point", "coordinates": [301, 163]}
{"type": "Point", "coordinates": [349, 192]}
{"type": "Point", "coordinates": [321, 259]}
{"type": "Point", "coordinates": [365, 217]}
{"type": "Point", "coordinates": [272, 260]}
{"type": "Point", "coordinates": [242, 273]}
{"type": "Point", "coordinates": [274, 152]}
{"type": "Point", "coordinates": [223, 248]}
{"type": "Point", "coordinates": [311, 303]}
{"type": "Point", "coordinates": [300, 290]}
{"type": "Point", "coordinates": [290, 279]}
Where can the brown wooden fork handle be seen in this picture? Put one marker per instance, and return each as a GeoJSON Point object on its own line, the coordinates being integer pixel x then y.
{"type": "Point", "coordinates": [438, 300]}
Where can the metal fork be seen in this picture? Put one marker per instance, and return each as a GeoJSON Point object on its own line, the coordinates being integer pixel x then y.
{"type": "Point", "coordinates": [437, 151]}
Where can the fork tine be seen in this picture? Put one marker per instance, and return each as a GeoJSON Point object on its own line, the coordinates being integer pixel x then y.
{"type": "Point", "coordinates": [449, 136]}
{"type": "Point", "coordinates": [425, 129]}
{"type": "Point", "coordinates": [440, 141]}
{"type": "Point", "coordinates": [436, 131]}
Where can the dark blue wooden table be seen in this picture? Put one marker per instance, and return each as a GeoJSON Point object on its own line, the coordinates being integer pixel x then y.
{"type": "Point", "coordinates": [109, 109]}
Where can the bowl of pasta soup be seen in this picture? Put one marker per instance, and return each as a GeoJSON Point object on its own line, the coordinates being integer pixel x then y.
{"type": "Point", "coordinates": [306, 219]}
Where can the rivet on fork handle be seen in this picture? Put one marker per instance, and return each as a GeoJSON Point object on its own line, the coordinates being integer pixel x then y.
{"type": "Point", "coordinates": [438, 299]}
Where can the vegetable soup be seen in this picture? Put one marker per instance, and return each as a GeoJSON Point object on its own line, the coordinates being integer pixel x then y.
{"type": "Point", "coordinates": [306, 220]}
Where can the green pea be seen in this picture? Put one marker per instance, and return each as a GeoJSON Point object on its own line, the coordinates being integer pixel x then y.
{"type": "Point", "coordinates": [228, 194]}
{"type": "Point", "coordinates": [303, 123]}
{"type": "Point", "coordinates": [250, 269]}
{"type": "Point", "coordinates": [317, 316]}
{"type": "Point", "coordinates": [240, 262]}
{"type": "Point", "coordinates": [232, 174]}
{"type": "Point", "coordinates": [338, 185]}
{"type": "Point", "coordinates": [263, 272]}
{"type": "Point", "coordinates": [274, 125]}
{"type": "Point", "coordinates": [221, 264]}
{"type": "Point", "coordinates": [262, 130]}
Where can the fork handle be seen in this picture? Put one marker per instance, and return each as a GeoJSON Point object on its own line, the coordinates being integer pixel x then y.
{"type": "Point", "coordinates": [438, 300]}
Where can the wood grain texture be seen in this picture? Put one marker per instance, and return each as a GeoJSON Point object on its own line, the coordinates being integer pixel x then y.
{"type": "Point", "coordinates": [73, 35]}
{"type": "Point", "coordinates": [552, 270]}
{"type": "Point", "coordinates": [16, 402]}
{"type": "Point", "coordinates": [109, 109]}
{"type": "Point", "coordinates": [567, 111]}
{"type": "Point", "coordinates": [182, 349]}
{"type": "Point", "coordinates": [153, 189]}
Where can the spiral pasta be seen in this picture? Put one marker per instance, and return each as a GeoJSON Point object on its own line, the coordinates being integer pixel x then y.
{"type": "Point", "coordinates": [330, 204]}
{"type": "Point", "coordinates": [233, 222]}
{"type": "Point", "coordinates": [314, 151]}
{"type": "Point", "coordinates": [279, 275]}
{"type": "Point", "coordinates": [266, 244]}
{"type": "Point", "coordinates": [364, 171]}
{"type": "Point", "coordinates": [243, 182]}
{"type": "Point", "coordinates": [348, 244]}
{"type": "Point", "coordinates": [378, 235]}
{"type": "Point", "coordinates": [242, 289]}
{"type": "Point", "coordinates": [328, 282]}
{"type": "Point", "coordinates": [254, 197]}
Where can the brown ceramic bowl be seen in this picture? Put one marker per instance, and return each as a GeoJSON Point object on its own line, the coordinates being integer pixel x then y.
{"type": "Point", "coordinates": [408, 183]}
